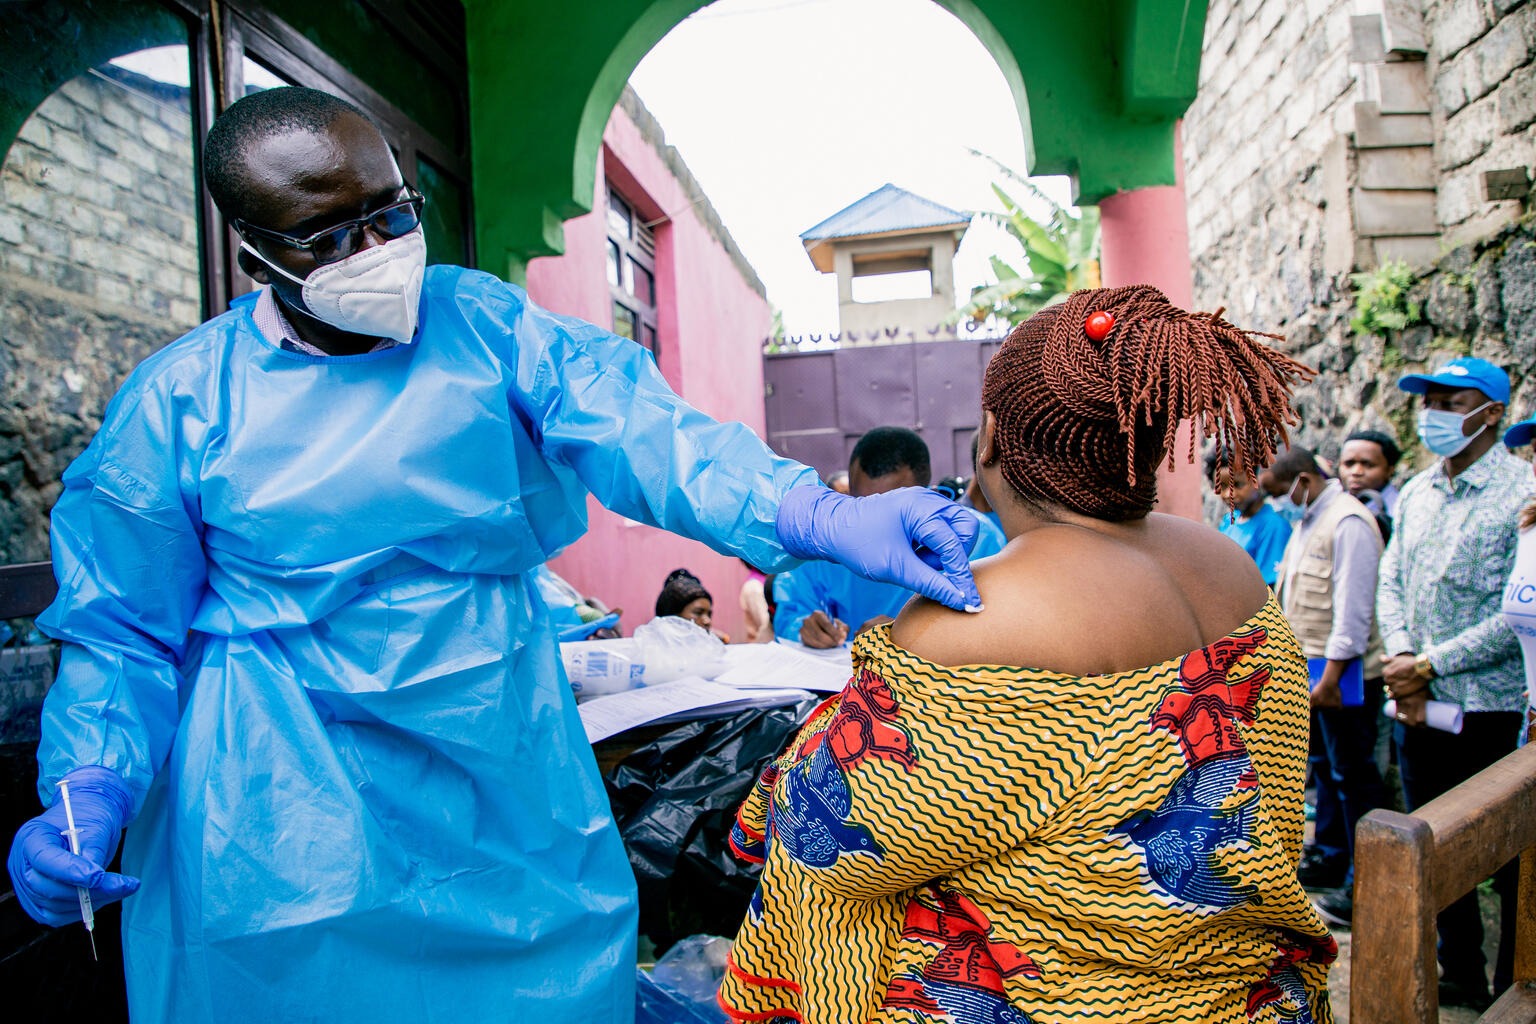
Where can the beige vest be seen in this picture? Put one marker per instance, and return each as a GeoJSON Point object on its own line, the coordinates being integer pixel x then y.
{"type": "Point", "coordinates": [1306, 581]}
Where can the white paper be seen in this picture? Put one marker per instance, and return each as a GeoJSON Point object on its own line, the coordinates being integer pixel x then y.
{"type": "Point", "coordinates": [1438, 714]}
{"type": "Point", "coordinates": [786, 664]}
{"type": "Point", "coordinates": [610, 715]}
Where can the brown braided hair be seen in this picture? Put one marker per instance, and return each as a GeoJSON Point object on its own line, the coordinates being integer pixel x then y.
{"type": "Point", "coordinates": [1083, 424]}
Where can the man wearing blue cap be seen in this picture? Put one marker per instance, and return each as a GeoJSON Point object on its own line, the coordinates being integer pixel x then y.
{"type": "Point", "coordinates": [1439, 604]}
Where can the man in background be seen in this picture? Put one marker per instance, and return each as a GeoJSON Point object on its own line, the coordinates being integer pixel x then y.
{"type": "Point", "coordinates": [1366, 464]}
{"type": "Point", "coordinates": [1327, 588]}
{"type": "Point", "coordinates": [1439, 604]}
{"type": "Point", "coordinates": [818, 603]}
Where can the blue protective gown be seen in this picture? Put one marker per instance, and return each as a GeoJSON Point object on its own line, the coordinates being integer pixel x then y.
{"type": "Point", "coordinates": [849, 597]}
{"type": "Point", "coordinates": [299, 622]}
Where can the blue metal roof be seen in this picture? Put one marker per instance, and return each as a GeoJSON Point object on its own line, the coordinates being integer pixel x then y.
{"type": "Point", "coordinates": [885, 210]}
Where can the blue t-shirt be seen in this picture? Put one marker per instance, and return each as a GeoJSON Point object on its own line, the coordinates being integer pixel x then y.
{"type": "Point", "coordinates": [1263, 535]}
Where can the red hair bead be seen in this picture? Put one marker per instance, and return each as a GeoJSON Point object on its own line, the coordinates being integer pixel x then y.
{"type": "Point", "coordinates": [1099, 324]}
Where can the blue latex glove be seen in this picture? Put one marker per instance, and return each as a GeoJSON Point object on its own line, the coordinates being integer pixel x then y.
{"type": "Point", "coordinates": [912, 537]}
{"type": "Point", "coordinates": [45, 873]}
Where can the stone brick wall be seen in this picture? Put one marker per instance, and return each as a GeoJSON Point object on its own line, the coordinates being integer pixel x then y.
{"type": "Point", "coordinates": [1483, 81]}
{"type": "Point", "coordinates": [1275, 81]}
{"type": "Point", "coordinates": [98, 268]}
{"type": "Point", "coordinates": [1301, 106]}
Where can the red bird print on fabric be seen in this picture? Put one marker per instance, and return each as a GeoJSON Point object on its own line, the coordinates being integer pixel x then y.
{"type": "Point", "coordinates": [1204, 710]}
{"type": "Point", "coordinates": [864, 725]}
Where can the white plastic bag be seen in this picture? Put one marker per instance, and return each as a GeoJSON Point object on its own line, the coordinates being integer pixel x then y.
{"type": "Point", "coordinates": [662, 650]}
{"type": "Point", "coordinates": [694, 968]}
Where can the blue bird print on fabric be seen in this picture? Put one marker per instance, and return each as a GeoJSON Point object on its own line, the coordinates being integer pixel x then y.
{"type": "Point", "coordinates": [810, 817]}
{"type": "Point", "coordinates": [1210, 806]}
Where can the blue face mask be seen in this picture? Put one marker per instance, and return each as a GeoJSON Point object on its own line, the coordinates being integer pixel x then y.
{"type": "Point", "coordinates": [1441, 431]}
{"type": "Point", "coordinates": [1291, 510]}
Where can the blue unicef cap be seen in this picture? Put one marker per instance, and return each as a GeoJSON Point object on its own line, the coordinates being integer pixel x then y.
{"type": "Point", "coordinates": [1461, 373]}
{"type": "Point", "coordinates": [1521, 433]}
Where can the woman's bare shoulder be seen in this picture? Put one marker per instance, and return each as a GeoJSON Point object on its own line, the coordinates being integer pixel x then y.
{"type": "Point", "coordinates": [1086, 605]}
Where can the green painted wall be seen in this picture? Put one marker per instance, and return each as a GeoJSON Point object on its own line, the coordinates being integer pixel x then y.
{"type": "Point", "coordinates": [1099, 84]}
{"type": "Point", "coordinates": [42, 46]}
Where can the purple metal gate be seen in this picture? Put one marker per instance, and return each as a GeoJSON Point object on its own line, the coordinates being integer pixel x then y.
{"type": "Point", "coordinates": [820, 403]}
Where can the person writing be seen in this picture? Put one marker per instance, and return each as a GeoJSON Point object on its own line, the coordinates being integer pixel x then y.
{"type": "Point", "coordinates": [302, 651]}
{"type": "Point", "coordinates": [1084, 803]}
{"type": "Point", "coordinates": [821, 604]}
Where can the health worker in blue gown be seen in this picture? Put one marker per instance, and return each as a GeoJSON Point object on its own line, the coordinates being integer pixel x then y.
{"type": "Point", "coordinates": [304, 661]}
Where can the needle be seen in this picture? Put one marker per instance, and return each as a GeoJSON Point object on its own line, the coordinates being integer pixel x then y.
{"type": "Point", "coordinates": [86, 913]}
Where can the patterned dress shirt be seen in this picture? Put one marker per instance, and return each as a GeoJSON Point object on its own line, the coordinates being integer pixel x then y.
{"type": "Point", "coordinates": [1442, 579]}
{"type": "Point", "coordinates": [274, 326]}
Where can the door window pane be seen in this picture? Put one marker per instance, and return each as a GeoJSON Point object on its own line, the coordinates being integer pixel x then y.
{"type": "Point", "coordinates": [442, 219]}
{"type": "Point", "coordinates": [623, 321]}
{"type": "Point", "coordinates": [258, 77]}
{"type": "Point", "coordinates": [642, 284]}
{"type": "Point", "coordinates": [615, 261]}
{"type": "Point", "coordinates": [99, 253]}
{"type": "Point", "coordinates": [619, 216]}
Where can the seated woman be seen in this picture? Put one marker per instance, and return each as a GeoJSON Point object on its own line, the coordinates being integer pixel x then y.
{"type": "Point", "coordinates": [1111, 831]}
{"type": "Point", "coordinates": [683, 595]}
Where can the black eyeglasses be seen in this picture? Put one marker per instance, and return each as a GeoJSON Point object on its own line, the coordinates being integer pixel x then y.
{"type": "Point", "coordinates": [337, 243]}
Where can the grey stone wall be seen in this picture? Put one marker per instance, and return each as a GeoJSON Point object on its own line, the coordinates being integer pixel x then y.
{"type": "Point", "coordinates": [1479, 299]}
{"type": "Point", "coordinates": [1282, 148]}
{"type": "Point", "coordinates": [1483, 83]}
{"type": "Point", "coordinates": [1275, 82]}
{"type": "Point", "coordinates": [98, 268]}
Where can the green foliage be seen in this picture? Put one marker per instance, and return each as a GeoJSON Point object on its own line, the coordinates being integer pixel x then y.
{"type": "Point", "coordinates": [1382, 304]}
{"type": "Point", "coordinates": [1449, 343]}
{"type": "Point", "coordinates": [776, 334]}
{"type": "Point", "coordinates": [1061, 255]}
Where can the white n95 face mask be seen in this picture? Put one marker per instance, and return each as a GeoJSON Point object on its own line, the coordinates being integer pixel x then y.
{"type": "Point", "coordinates": [375, 292]}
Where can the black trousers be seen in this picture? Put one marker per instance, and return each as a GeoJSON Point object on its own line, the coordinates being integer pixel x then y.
{"type": "Point", "coordinates": [1344, 770]}
{"type": "Point", "coordinates": [1432, 762]}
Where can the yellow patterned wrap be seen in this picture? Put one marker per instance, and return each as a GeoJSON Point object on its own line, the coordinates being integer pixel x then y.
{"type": "Point", "coordinates": [1003, 845]}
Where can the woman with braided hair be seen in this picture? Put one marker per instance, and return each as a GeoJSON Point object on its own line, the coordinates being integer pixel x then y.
{"type": "Point", "coordinates": [1085, 801]}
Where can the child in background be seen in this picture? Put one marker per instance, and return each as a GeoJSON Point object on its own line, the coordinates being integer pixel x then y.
{"type": "Point", "coordinates": [1256, 527]}
{"type": "Point", "coordinates": [684, 596]}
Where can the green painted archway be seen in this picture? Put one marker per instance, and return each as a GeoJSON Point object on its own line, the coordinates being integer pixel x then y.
{"type": "Point", "coordinates": [1098, 85]}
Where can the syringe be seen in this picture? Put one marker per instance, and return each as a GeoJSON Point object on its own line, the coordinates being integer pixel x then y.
{"type": "Point", "coordinates": [87, 914]}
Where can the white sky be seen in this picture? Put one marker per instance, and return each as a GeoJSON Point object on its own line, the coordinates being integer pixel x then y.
{"type": "Point", "coordinates": [787, 111]}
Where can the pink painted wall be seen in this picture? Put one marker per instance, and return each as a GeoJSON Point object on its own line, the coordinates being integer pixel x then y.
{"type": "Point", "coordinates": [1146, 241]}
{"type": "Point", "coordinates": [710, 326]}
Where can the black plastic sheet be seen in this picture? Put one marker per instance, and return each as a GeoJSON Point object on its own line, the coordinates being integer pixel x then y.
{"type": "Point", "coordinates": [675, 800]}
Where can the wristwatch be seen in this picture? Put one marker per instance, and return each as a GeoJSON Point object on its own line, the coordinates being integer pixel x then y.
{"type": "Point", "coordinates": [1422, 668]}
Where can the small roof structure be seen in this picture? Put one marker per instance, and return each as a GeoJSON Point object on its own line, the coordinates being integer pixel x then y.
{"type": "Point", "coordinates": [885, 212]}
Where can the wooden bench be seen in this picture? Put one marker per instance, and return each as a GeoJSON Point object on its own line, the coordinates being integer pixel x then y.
{"type": "Point", "coordinates": [1409, 867]}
